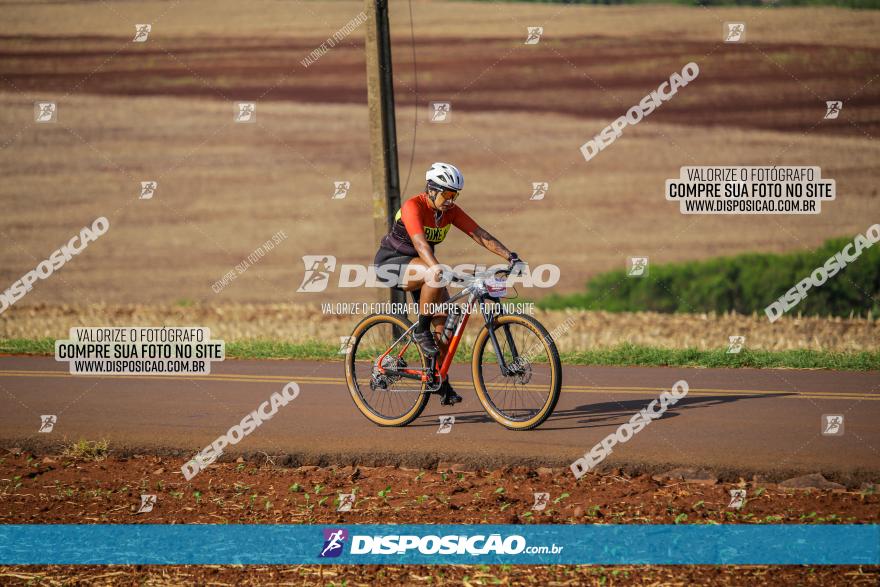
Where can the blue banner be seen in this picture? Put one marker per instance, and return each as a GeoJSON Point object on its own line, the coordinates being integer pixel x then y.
{"type": "Point", "coordinates": [150, 544]}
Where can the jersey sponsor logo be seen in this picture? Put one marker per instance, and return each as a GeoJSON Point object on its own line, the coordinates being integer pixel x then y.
{"type": "Point", "coordinates": [436, 235]}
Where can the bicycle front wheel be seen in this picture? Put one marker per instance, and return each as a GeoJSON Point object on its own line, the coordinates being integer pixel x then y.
{"type": "Point", "coordinates": [526, 395]}
{"type": "Point", "coordinates": [385, 398]}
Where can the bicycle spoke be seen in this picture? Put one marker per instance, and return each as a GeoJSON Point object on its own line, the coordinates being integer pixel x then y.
{"type": "Point", "coordinates": [387, 395]}
{"type": "Point", "coordinates": [520, 396]}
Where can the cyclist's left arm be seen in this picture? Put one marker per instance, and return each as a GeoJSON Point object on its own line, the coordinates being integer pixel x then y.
{"type": "Point", "coordinates": [467, 225]}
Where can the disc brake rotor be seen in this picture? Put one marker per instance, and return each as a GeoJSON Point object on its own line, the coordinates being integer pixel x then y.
{"type": "Point", "coordinates": [522, 373]}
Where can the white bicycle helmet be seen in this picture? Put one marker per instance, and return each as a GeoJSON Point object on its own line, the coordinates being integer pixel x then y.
{"type": "Point", "coordinates": [445, 176]}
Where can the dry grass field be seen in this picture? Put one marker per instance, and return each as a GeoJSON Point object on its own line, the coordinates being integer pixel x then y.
{"type": "Point", "coordinates": [163, 110]}
{"type": "Point", "coordinates": [578, 330]}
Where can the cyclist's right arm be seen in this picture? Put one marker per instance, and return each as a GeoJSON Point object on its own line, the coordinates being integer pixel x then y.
{"type": "Point", "coordinates": [412, 220]}
{"type": "Point", "coordinates": [420, 244]}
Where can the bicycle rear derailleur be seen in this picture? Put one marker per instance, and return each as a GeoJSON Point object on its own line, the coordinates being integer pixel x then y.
{"type": "Point", "coordinates": [379, 380]}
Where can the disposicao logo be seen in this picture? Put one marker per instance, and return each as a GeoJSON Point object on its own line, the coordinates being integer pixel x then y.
{"type": "Point", "coordinates": [394, 544]}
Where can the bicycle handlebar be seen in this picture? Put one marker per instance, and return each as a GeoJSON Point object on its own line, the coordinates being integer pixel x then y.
{"type": "Point", "coordinates": [503, 273]}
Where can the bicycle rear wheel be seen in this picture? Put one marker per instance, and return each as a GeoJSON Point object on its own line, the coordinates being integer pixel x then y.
{"type": "Point", "coordinates": [523, 399]}
{"type": "Point", "coordinates": [386, 399]}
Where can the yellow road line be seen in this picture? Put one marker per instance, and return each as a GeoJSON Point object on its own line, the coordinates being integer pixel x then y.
{"type": "Point", "coordinates": [316, 380]}
{"type": "Point", "coordinates": [243, 378]}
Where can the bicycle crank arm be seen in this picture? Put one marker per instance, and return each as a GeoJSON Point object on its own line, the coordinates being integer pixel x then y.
{"type": "Point", "coordinates": [393, 373]}
{"type": "Point", "coordinates": [427, 376]}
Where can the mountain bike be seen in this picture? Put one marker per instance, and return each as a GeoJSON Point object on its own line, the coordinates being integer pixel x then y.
{"type": "Point", "coordinates": [515, 366]}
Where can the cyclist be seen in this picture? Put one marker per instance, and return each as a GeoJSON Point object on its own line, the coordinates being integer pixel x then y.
{"type": "Point", "coordinates": [421, 223]}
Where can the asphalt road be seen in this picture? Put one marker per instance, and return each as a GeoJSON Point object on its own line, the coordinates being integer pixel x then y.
{"type": "Point", "coordinates": [732, 419]}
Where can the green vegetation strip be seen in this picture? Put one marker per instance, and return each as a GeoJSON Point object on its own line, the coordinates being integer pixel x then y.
{"type": "Point", "coordinates": [622, 355]}
{"type": "Point", "coordinates": [743, 283]}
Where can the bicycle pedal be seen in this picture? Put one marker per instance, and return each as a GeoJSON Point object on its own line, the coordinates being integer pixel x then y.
{"type": "Point", "coordinates": [450, 399]}
{"type": "Point", "coordinates": [433, 390]}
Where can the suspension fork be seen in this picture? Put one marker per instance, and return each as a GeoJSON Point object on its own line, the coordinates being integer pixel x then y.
{"type": "Point", "coordinates": [489, 318]}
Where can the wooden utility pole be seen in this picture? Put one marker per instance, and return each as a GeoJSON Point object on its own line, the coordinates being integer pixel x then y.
{"type": "Point", "coordinates": [383, 129]}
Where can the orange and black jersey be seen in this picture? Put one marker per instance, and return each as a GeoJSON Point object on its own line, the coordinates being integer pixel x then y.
{"type": "Point", "coordinates": [417, 216]}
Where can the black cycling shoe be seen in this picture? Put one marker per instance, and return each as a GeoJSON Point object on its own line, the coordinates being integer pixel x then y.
{"type": "Point", "coordinates": [448, 395]}
{"type": "Point", "coordinates": [426, 342]}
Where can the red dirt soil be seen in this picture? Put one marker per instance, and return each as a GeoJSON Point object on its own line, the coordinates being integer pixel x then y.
{"type": "Point", "coordinates": [59, 489]}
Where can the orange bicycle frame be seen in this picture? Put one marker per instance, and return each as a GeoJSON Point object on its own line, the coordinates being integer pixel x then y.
{"type": "Point", "coordinates": [447, 357]}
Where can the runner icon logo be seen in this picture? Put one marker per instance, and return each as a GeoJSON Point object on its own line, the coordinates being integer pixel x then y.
{"type": "Point", "coordinates": [441, 111]}
{"type": "Point", "coordinates": [334, 538]}
{"type": "Point", "coordinates": [141, 32]}
{"type": "Point", "coordinates": [47, 423]}
{"type": "Point", "coordinates": [534, 35]}
{"type": "Point", "coordinates": [735, 344]}
{"type": "Point", "coordinates": [638, 267]}
{"type": "Point", "coordinates": [341, 190]}
{"type": "Point", "coordinates": [541, 500]}
{"type": "Point", "coordinates": [737, 499]}
{"type": "Point", "coordinates": [45, 112]}
{"type": "Point", "coordinates": [148, 189]}
{"type": "Point", "coordinates": [245, 112]}
{"type": "Point", "coordinates": [346, 501]}
{"type": "Point", "coordinates": [147, 503]}
{"type": "Point", "coordinates": [345, 343]}
{"type": "Point", "coordinates": [832, 424]}
{"type": "Point", "coordinates": [832, 109]}
{"type": "Point", "coordinates": [539, 190]}
{"type": "Point", "coordinates": [735, 32]}
{"type": "Point", "coordinates": [318, 270]}
{"type": "Point", "coordinates": [446, 423]}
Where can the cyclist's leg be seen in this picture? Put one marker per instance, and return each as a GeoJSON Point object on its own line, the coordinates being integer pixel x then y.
{"type": "Point", "coordinates": [418, 276]}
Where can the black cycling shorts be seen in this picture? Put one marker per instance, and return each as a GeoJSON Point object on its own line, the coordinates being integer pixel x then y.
{"type": "Point", "coordinates": [386, 256]}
